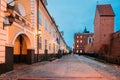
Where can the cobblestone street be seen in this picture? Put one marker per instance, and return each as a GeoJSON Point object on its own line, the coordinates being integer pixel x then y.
{"type": "Point", "coordinates": [69, 67]}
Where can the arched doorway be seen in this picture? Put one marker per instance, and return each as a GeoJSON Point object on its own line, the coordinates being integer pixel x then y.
{"type": "Point", "coordinates": [20, 50]}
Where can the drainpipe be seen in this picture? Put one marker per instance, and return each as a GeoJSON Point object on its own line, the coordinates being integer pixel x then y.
{"type": "Point", "coordinates": [37, 30]}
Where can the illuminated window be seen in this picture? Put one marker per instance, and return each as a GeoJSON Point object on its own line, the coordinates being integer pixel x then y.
{"type": "Point", "coordinates": [80, 41]}
{"type": "Point", "coordinates": [77, 41]}
{"type": "Point", "coordinates": [77, 36]}
{"type": "Point", "coordinates": [81, 51]}
{"type": "Point", "coordinates": [77, 51]}
{"type": "Point", "coordinates": [77, 46]}
{"type": "Point", "coordinates": [80, 36]}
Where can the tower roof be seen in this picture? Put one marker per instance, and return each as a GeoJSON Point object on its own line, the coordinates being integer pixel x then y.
{"type": "Point", "coordinates": [85, 30]}
{"type": "Point", "coordinates": [105, 10]}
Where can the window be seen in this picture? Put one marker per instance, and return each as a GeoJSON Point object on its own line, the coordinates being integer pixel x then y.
{"type": "Point", "coordinates": [45, 44]}
{"type": "Point", "coordinates": [81, 46]}
{"type": "Point", "coordinates": [77, 36]}
{"type": "Point", "coordinates": [77, 41]}
{"type": "Point", "coordinates": [40, 43]}
{"type": "Point", "coordinates": [50, 47]}
{"type": "Point", "coordinates": [40, 18]}
{"type": "Point", "coordinates": [54, 33]}
{"type": "Point", "coordinates": [50, 29]}
{"type": "Point", "coordinates": [84, 37]}
{"type": "Point", "coordinates": [80, 41]}
{"type": "Point", "coordinates": [81, 51]}
{"type": "Point", "coordinates": [89, 40]}
{"type": "Point", "coordinates": [77, 46]}
{"type": "Point", "coordinates": [77, 51]}
{"type": "Point", "coordinates": [46, 24]}
{"type": "Point", "coordinates": [80, 36]}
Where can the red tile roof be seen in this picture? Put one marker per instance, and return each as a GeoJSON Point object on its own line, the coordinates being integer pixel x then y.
{"type": "Point", "coordinates": [105, 10]}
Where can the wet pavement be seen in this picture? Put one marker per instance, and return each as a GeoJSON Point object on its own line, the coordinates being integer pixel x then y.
{"type": "Point", "coordinates": [69, 67]}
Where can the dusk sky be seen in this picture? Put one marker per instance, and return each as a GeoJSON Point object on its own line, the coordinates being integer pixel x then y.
{"type": "Point", "coordinates": [73, 15]}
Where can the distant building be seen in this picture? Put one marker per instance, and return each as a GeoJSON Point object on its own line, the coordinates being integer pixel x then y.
{"type": "Point", "coordinates": [81, 40]}
{"type": "Point", "coordinates": [106, 41]}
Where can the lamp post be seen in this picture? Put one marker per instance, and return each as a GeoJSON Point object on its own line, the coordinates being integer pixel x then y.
{"type": "Point", "coordinates": [38, 38]}
{"type": "Point", "coordinates": [38, 30]}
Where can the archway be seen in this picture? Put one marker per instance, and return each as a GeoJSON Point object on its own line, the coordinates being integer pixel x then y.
{"type": "Point", "coordinates": [21, 44]}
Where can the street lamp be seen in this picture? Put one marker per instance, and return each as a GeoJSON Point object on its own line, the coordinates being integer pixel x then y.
{"type": "Point", "coordinates": [39, 32]}
{"type": "Point", "coordinates": [8, 20]}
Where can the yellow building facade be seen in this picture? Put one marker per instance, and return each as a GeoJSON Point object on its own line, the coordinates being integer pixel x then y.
{"type": "Point", "coordinates": [49, 32]}
{"type": "Point", "coordinates": [27, 33]}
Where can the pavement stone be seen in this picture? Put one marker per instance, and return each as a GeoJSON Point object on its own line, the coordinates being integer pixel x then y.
{"type": "Point", "coordinates": [69, 67]}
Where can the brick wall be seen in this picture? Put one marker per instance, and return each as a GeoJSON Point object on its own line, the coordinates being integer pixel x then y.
{"type": "Point", "coordinates": [103, 27]}
{"type": "Point", "coordinates": [115, 44]}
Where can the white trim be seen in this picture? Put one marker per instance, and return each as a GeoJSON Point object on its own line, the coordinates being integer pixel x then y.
{"type": "Point", "coordinates": [18, 35]}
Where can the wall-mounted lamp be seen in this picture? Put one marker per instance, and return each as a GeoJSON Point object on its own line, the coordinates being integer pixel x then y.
{"type": "Point", "coordinates": [39, 32]}
{"type": "Point", "coordinates": [8, 20]}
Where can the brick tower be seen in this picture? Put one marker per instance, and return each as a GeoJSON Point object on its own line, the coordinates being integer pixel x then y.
{"type": "Point", "coordinates": [103, 27]}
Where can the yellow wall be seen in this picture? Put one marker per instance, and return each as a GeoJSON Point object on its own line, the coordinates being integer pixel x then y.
{"type": "Point", "coordinates": [26, 5]}
{"type": "Point", "coordinates": [46, 33]}
{"type": "Point", "coordinates": [17, 29]}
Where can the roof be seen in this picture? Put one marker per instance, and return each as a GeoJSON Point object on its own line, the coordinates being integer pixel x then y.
{"type": "Point", "coordinates": [105, 10]}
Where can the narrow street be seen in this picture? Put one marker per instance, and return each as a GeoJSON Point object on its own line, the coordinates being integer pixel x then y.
{"type": "Point", "coordinates": [69, 67]}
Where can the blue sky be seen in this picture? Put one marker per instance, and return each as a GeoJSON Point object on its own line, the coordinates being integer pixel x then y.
{"type": "Point", "coordinates": [73, 15]}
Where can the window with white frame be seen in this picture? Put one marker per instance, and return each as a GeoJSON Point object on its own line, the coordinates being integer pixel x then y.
{"type": "Point", "coordinates": [89, 40]}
